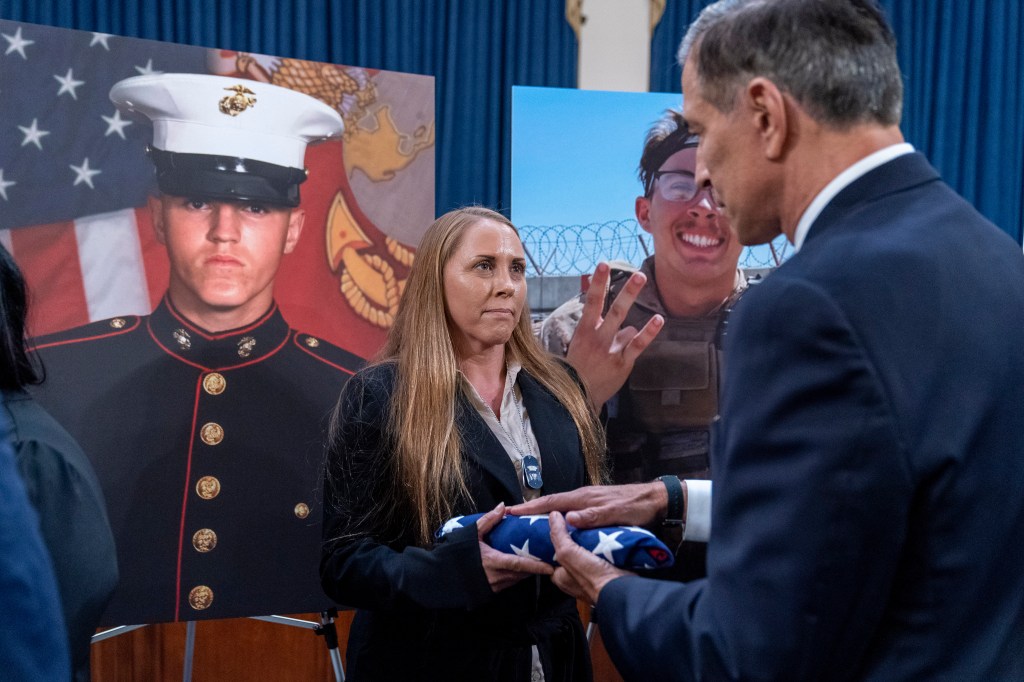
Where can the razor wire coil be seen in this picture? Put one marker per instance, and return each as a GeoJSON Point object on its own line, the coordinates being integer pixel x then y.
{"type": "Point", "coordinates": [567, 250]}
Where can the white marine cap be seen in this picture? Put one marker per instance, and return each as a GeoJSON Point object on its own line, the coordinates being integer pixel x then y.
{"type": "Point", "coordinates": [228, 138]}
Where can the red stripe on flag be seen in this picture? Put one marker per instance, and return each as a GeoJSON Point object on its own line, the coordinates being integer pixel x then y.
{"type": "Point", "coordinates": [154, 256]}
{"type": "Point", "coordinates": [48, 257]}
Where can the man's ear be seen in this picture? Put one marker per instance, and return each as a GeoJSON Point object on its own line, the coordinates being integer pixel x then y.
{"type": "Point", "coordinates": [643, 213]}
{"type": "Point", "coordinates": [769, 115]}
{"type": "Point", "coordinates": [295, 222]}
{"type": "Point", "coordinates": [156, 212]}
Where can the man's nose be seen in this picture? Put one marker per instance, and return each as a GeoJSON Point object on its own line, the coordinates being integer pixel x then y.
{"type": "Point", "coordinates": [705, 208]}
{"type": "Point", "coordinates": [700, 171]}
{"type": "Point", "coordinates": [224, 223]}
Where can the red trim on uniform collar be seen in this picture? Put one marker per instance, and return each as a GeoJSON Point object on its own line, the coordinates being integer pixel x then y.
{"type": "Point", "coordinates": [214, 336]}
{"type": "Point", "coordinates": [221, 351]}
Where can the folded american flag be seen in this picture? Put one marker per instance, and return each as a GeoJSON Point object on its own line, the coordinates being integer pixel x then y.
{"type": "Point", "coordinates": [627, 547]}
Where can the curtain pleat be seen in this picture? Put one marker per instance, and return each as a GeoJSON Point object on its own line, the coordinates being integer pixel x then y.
{"type": "Point", "coordinates": [963, 68]}
{"type": "Point", "coordinates": [476, 50]}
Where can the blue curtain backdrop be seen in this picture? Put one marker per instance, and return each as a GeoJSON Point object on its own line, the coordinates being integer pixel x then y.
{"type": "Point", "coordinates": [963, 69]}
{"type": "Point", "coordinates": [475, 49]}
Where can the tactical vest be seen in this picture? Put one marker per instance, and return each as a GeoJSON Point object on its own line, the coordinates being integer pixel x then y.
{"type": "Point", "coordinates": [660, 421]}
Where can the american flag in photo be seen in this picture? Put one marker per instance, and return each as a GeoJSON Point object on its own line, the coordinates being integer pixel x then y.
{"type": "Point", "coordinates": [628, 547]}
{"type": "Point", "coordinates": [74, 182]}
{"type": "Point", "coordinates": [73, 172]}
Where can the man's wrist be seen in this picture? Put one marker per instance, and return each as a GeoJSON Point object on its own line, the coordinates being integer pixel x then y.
{"type": "Point", "coordinates": [675, 509]}
{"type": "Point", "coordinates": [657, 494]}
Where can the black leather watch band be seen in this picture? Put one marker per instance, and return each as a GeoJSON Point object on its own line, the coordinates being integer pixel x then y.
{"type": "Point", "coordinates": [676, 515]}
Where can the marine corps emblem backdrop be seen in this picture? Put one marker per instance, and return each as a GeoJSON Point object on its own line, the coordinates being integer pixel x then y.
{"type": "Point", "coordinates": [207, 441]}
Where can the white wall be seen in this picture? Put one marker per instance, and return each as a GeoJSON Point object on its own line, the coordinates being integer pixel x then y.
{"type": "Point", "coordinates": [615, 45]}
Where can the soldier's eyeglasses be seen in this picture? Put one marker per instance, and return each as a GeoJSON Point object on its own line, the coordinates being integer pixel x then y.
{"type": "Point", "coordinates": [681, 186]}
{"type": "Point", "coordinates": [676, 185]}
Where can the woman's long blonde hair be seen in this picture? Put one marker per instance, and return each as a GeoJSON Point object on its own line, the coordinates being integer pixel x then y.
{"type": "Point", "coordinates": [428, 470]}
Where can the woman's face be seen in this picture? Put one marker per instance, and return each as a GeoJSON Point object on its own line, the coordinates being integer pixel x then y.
{"type": "Point", "coordinates": [484, 287]}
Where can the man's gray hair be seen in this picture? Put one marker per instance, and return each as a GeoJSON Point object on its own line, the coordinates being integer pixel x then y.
{"type": "Point", "coordinates": [837, 58]}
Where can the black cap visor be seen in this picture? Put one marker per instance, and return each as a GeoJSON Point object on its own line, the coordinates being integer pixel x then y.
{"type": "Point", "coordinates": [226, 178]}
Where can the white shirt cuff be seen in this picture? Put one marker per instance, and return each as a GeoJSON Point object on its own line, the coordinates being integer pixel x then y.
{"type": "Point", "coordinates": [698, 511]}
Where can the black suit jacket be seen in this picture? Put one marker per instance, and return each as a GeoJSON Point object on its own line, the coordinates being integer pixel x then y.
{"type": "Point", "coordinates": [430, 613]}
{"type": "Point", "coordinates": [868, 518]}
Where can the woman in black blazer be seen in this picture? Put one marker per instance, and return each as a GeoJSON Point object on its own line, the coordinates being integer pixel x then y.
{"type": "Point", "coordinates": [461, 397]}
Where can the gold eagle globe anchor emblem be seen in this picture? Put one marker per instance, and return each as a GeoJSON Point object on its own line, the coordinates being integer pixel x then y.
{"type": "Point", "coordinates": [233, 105]}
{"type": "Point", "coordinates": [369, 283]}
{"type": "Point", "coordinates": [371, 275]}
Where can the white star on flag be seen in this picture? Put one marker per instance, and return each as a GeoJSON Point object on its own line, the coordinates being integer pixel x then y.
{"type": "Point", "coordinates": [68, 84]}
{"type": "Point", "coordinates": [4, 184]}
{"type": "Point", "coordinates": [535, 517]}
{"type": "Point", "coordinates": [607, 544]}
{"type": "Point", "coordinates": [524, 551]}
{"type": "Point", "coordinates": [84, 174]}
{"type": "Point", "coordinates": [452, 524]}
{"type": "Point", "coordinates": [17, 44]}
{"type": "Point", "coordinates": [116, 124]}
{"type": "Point", "coordinates": [101, 39]}
{"type": "Point", "coordinates": [638, 529]}
{"type": "Point", "coordinates": [33, 134]}
{"type": "Point", "coordinates": [148, 69]}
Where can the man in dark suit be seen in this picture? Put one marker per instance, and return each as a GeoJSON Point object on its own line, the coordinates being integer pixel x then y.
{"type": "Point", "coordinates": [205, 420]}
{"type": "Point", "coordinates": [868, 519]}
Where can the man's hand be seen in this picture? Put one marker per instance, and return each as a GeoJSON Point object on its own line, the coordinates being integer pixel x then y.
{"type": "Point", "coordinates": [504, 570]}
{"type": "Point", "coordinates": [580, 573]}
{"type": "Point", "coordinates": [635, 504]}
{"type": "Point", "coordinates": [600, 352]}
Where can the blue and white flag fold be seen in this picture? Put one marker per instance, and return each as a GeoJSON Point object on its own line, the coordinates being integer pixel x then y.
{"type": "Point", "coordinates": [628, 547]}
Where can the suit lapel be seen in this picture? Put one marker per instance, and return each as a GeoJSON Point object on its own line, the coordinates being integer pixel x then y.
{"type": "Point", "coordinates": [897, 175]}
{"type": "Point", "coordinates": [556, 436]}
{"type": "Point", "coordinates": [481, 446]}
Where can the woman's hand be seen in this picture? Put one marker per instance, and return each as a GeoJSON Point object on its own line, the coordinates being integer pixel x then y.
{"type": "Point", "coordinates": [504, 570]}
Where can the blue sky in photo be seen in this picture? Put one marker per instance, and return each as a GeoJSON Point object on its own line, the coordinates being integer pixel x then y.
{"type": "Point", "coordinates": [575, 153]}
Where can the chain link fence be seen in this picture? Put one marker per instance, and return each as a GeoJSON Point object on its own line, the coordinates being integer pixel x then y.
{"type": "Point", "coordinates": [566, 250]}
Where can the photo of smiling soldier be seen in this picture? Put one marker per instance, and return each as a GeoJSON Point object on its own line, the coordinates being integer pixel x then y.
{"type": "Point", "coordinates": [658, 421]}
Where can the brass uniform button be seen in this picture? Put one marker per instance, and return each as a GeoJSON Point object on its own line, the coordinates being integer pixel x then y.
{"type": "Point", "coordinates": [200, 597]}
{"type": "Point", "coordinates": [211, 433]}
{"type": "Point", "coordinates": [204, 540]}
{"type": "Point", "coordinates": [208, 487]}
{"type": "Point", "coordinates": [118, 323]}
{"type": "Point", "coordinates": [302, 510]}
{"type": "Point", "coordinates": [214, 383]}
{"type": "Point", "coordinates": [312, 342]}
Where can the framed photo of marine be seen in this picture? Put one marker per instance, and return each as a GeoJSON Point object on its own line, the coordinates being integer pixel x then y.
{"type": "Point", "coordinates": [214, 242]}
